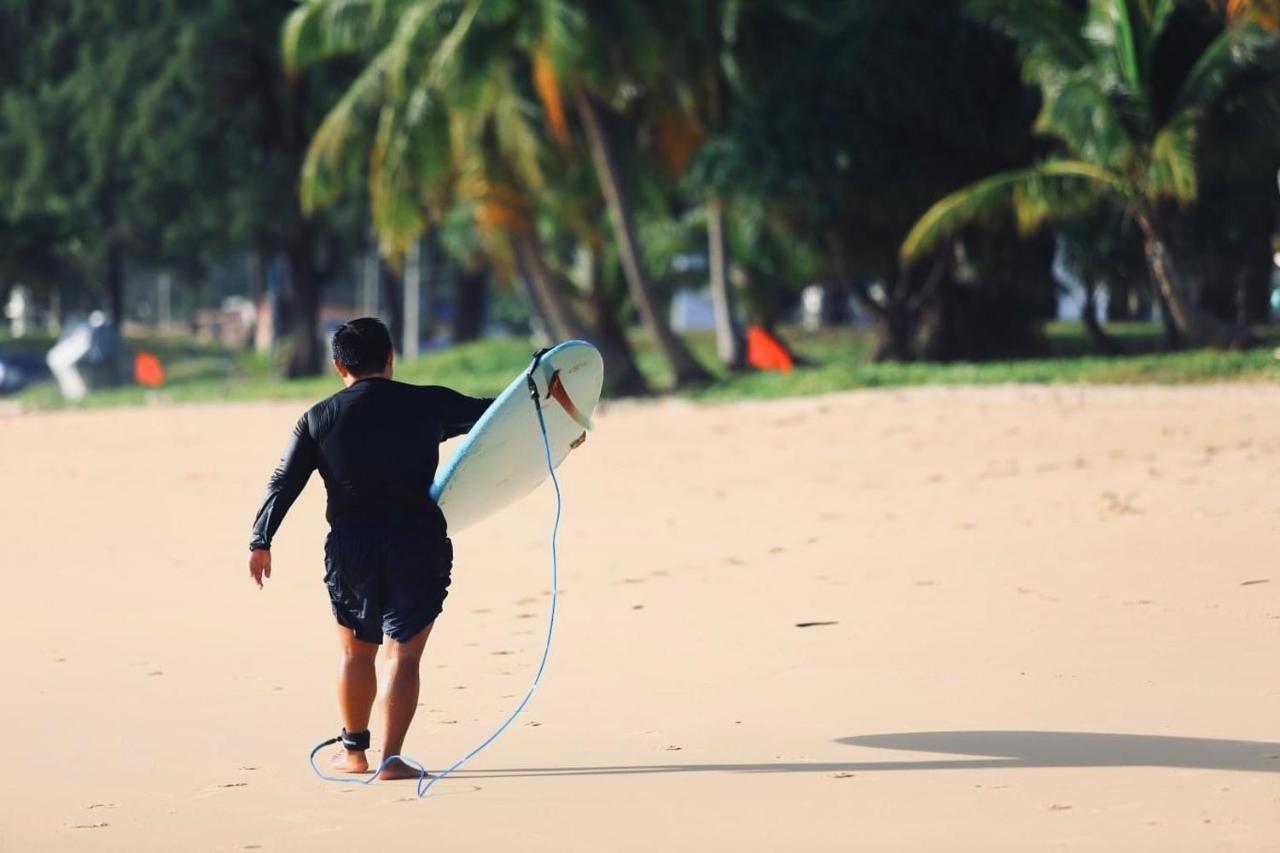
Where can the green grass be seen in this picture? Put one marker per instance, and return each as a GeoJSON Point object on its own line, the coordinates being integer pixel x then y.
{"type": "Point", "coordinates": [840, 360]}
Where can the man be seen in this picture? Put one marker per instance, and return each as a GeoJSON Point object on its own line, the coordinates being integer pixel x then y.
{"type": "Point", "coordinates": [387, 557]}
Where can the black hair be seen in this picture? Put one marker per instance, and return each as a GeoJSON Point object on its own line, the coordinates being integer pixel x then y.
{"type": "Point", "coordinates": [362, 346]}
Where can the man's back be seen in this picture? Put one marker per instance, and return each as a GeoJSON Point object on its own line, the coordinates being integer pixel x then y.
{"type": "Point", "coordinates": [379, 445]}
{"type": "Point", "coordinates": [376, 444]}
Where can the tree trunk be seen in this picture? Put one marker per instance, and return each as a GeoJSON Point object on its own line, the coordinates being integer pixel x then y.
{"type": "Point", "coordinates": [1101, 341]}
{"type": "Point", "coordinates": [411, 306]}
{"type": "Point", "coordinates": [895, 336]}
{"type": "Point", "coordinates": [304, 313]}
{"type": "Point", "coordinates": [549, 294]}
{"type": "Point", "coordinates": [731, 344]}
{"type": "Point", "coordinates": [839, 288]}
{"type": "Point", "coordinates": [470, 301]}
{"type": "Point", "coordinates": [1194, 325]}
{"type": "Point", "coordinates": [686, 368]}
{"type": "Point", "coordinates": [115, 283]}
{"type": "Point", "coordinates": [392, 286]}
{"type": "Point", "coordinates": [730, 341]}
{"type": "Point", "coordinates": [622, 376]}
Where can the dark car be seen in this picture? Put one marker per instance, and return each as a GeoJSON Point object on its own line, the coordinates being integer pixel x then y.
{"type": "Point", "coordinates": [19, 369]}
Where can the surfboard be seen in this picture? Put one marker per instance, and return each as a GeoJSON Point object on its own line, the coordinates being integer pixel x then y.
{"type": "Point", "coordinates": [502, 458]}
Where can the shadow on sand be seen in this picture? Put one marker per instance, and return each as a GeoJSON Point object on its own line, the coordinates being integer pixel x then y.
{"type": "Point", "coordinates": [983, 750]}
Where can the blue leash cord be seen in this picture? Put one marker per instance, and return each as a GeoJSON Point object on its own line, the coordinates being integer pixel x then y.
{"type": "Point", "coordinates": [425, 782]}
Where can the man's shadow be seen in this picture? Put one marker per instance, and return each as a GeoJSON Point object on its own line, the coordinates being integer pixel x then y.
{"type": "Point", "coordinates": [982, 750]}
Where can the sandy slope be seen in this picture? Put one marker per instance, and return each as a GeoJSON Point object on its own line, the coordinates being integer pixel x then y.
{"type": "Point", "coordinates": [1055, 625]}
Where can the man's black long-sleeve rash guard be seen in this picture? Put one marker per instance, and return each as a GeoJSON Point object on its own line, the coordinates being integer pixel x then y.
{"type": "Point", "coordinates": [376, 445]}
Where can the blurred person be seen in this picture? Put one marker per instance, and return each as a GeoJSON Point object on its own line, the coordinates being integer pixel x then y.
{"type": "Point", "coordinates": [87, 356]}
{"type": "Point", "coordinates": [388, 557]}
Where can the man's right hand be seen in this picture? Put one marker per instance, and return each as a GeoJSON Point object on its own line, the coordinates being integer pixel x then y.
{"type": "Point", "coordinates": [259, 566]}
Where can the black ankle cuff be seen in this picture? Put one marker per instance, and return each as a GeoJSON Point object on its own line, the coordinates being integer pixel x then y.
{"type": "Point", "coordinates": [355, 741]}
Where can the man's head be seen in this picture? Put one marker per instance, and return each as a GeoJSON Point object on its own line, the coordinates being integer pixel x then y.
{"type": "Point", "coordinates": [361, 349]}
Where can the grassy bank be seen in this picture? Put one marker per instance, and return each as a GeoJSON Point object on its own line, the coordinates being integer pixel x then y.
{"type": "Point", "coordinates": [838, 360]}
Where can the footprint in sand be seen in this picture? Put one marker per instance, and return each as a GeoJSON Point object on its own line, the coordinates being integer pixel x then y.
{"type": "Point", "coordinates": [1115, 504]}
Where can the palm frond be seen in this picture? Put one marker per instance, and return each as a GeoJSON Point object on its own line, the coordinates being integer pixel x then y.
{"type": "Point", "coordinates": [1049, 190]}
{"type": "Point", "coordinates": [1120, 27]}
{"type": "Point", "coordinates": [1046, 31]}
{"type": "Point", "coordinates": [417, 34]}
{"type": "Point", "coordinates": [515, 131]}
{"type": "Point", "coordinates": [398, 216]}
{"type": "Point", "coordinates": [339, 149]}
{"type": "Point", "coordinates": [1160, 16]}
{"type": "Point", "coordinates": [1238, 50]}
{"type": "Point", "coordinates": [1076, 111]}
{"type": "Point", "coordinates": [1171, 165]}
{"type": "Point", "coordinates": [318, 30]}
{"type": "Point", "coordinates": [547, 85]}
{"type": "Point", "coordinates": [444, 69]}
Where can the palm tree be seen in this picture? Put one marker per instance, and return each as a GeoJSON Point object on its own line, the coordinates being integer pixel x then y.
{"type": "Point", "coordinates": [425, 136]}
{"type": "Point", "coordinates": [1126, 142]}
{"type": "Point", "coordinates": [475, 63]}
{"type": "Point", "coordinates": [697, 84]}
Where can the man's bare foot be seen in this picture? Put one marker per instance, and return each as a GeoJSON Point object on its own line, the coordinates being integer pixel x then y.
{"type": "Point", "coordinates": [397, 769]}
{"type": "Point", "coordinates": [349, 761]}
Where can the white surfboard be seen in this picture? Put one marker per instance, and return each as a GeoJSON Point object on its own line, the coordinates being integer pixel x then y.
{"type": "Point", "coordinates": [502, 458]}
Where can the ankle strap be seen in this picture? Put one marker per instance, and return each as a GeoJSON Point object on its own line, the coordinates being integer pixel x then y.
{"type": "Point", "coordinates": [355, 741]}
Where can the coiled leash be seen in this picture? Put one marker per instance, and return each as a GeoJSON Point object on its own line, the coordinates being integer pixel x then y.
{"type": "Point", "coordinates": [360, 740]}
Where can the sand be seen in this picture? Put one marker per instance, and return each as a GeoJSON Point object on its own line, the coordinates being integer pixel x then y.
{"type": "Point", "coordinates": [991, 620]}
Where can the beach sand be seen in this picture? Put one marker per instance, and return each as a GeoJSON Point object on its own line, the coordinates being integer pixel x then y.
{"type": "Point", "coordinates": [992, 620]}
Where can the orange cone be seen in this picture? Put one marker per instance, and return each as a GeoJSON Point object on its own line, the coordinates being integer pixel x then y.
{"type": "Point", "coordinates": [765, 352]}
{"type": "Point", "coordinates": [147, 370]}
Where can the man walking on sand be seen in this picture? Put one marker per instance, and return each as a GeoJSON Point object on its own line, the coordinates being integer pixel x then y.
{"type": "Point", "coordinates": [388, 556]}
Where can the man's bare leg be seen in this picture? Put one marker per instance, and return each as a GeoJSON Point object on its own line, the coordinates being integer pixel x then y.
{"type": "Point", "coordinates": [357, 687]}
{"type": "Point", "coordinates": [401, 699]}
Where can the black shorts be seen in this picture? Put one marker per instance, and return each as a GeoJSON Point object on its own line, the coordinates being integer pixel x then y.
{"type": "Point", "coordinates": [387, 580]}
